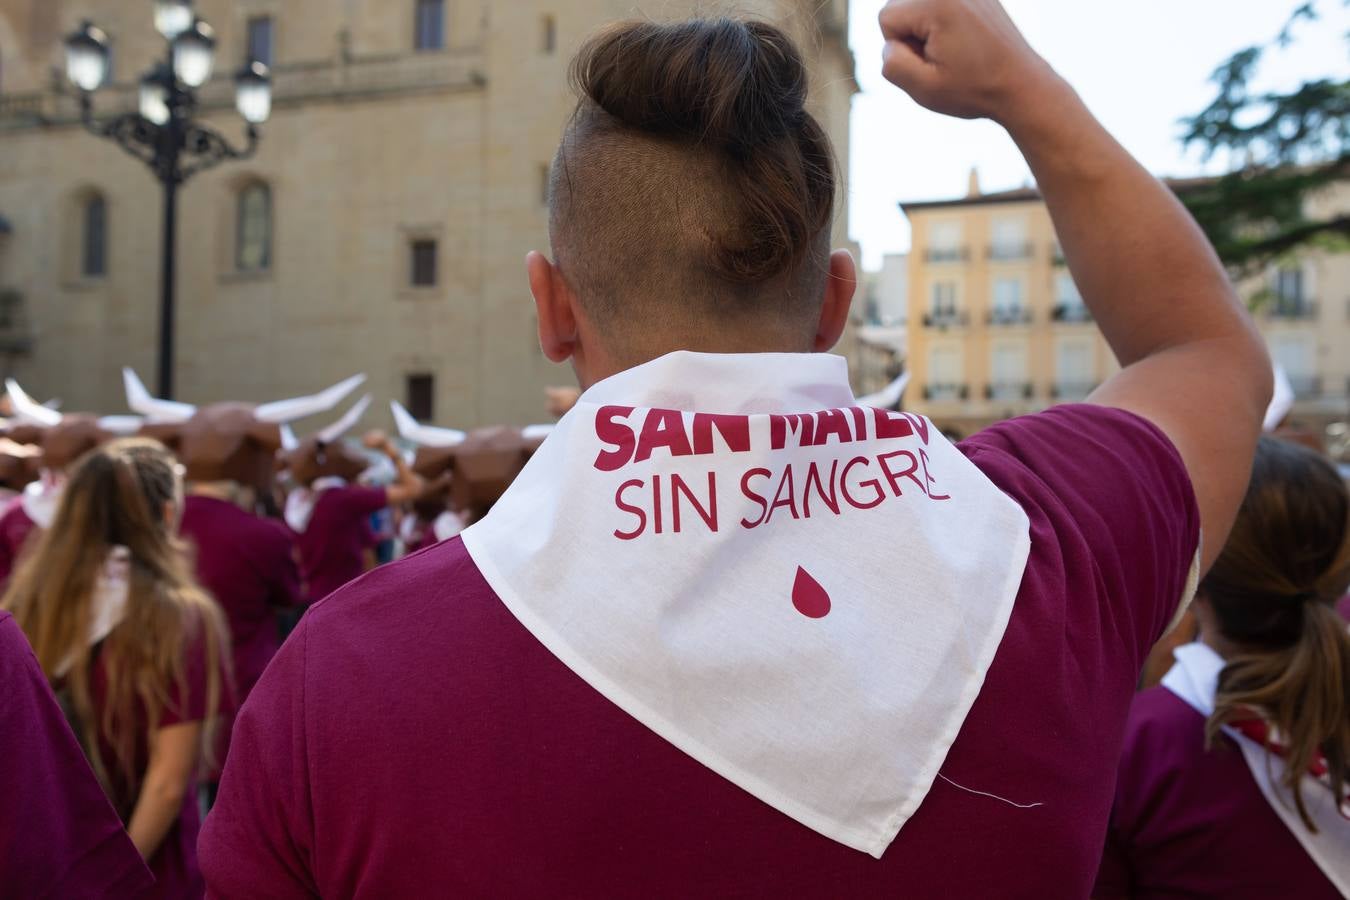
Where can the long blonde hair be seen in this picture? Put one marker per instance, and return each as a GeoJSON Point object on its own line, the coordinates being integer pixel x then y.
{"type": "Point", "coordinates": [1273, 590]}
{"type": "Point", "coordinates": [117, 496]}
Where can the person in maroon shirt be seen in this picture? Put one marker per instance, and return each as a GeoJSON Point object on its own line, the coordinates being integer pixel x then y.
{"type": "Point", "coordinates": [59, 835]}
{"type": "Point", "coordinates": [331, 516]}
{"type": "Point", "coordinates": [135, 649]}
{"type": "Point", "coordinates": [248, 564]}
{"type": "Point", "coordinates": [430, 729]}
{"type": "Point", "coordinates": [1196, 813]}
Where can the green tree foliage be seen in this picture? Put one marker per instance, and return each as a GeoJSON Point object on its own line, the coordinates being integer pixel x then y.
{"type": "Point", "coordinates": [1284, 146]}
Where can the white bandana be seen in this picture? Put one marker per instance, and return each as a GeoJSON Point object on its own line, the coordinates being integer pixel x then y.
{"type": "Point", "coordinates": [300, 502]}
{"type": "Point", "coordinates": [108, 604]}
{"type": "Point", "coordinates": [40, 499]}
{"type": "Point", "coordinates": [801, 594]}
{"type": "Point", "coordinates": [1195, 679]}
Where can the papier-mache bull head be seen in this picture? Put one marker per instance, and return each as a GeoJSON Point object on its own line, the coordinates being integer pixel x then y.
{"type": "Point", "coordinates": [482, 463]}
{"type": "Point", "coordinates": [228, 441]}
{"type": "Point", "coordinates": [20, 464]}
{"type": "Point", "coordinates": [63, 437]}
{"type": "Point", "coordinates": [322, 455]}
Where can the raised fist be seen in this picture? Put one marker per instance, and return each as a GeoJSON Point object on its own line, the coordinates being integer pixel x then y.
{"type": "Point", "coordinates": [962, 58]}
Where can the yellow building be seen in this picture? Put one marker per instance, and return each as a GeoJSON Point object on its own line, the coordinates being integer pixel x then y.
{"type": "Point", "coordinates": [381, 227]}
{"type": "Point", "coordinates": [997, 327]}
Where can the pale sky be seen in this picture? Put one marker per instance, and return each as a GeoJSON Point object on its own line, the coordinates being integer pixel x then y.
{"type": "Point", "coordinates": [1140, 65]}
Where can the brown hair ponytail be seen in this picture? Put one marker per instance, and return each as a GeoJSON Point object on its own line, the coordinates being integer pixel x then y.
{"type": "Point", "coordinates": [1273, 590]}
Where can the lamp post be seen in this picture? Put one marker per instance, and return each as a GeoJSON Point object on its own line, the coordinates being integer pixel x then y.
{"type": "Point", "coordinates": [164, 134]}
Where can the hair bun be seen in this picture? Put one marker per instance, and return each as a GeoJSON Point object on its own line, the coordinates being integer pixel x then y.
{"type": "Point", "coordinates": [734, 85]}
{"type": "Point", "coordinates": [738, 89]}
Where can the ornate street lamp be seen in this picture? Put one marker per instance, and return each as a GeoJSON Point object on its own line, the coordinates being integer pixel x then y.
{"type": "Point", "coordinates": [163, 133]}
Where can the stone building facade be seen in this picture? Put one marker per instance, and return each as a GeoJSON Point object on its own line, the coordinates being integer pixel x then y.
{"type": "Point", "coordinates": [997, 328]}
{"type": "Point", "coordinates": [381, 227]}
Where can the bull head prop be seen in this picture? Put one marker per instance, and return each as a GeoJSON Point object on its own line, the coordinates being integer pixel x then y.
{"type": "Point", "coordinates": [228, 441]}
{"type": "Point", "coordinates": [482, 463]}
{"type": "Point", "coordinates": [322, 455]}
{"type": "Point", "coordinates": [63, 437]}
{"type": "Point", "coordinates": [20, 464]}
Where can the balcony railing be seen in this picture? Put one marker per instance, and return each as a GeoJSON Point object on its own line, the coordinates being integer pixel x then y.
{"type": "Point", "coordinates": [1292, 309]}
{"type": "Point", "coordinates": [1008, 252]}
{"type": "Point", "coordinates": [945, 318]}
{"type": "Point", "coordinates": [1070, 391]}
{"type": "Point", "coordinates": [1071, 312]}
{"type": "Point", "coordinates": [1009, 390]}
{"type": "Point", "coordinates": [942, 391]}
{"type": "Point", "coordinates": [1016, 315]}
{"type": "Point", "coordinates": [946, 254]}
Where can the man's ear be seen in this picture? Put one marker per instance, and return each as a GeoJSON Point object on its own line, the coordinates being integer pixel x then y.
{"type": "Point", "coordinates": [840, 285]}
{"type": "Point", "coordinates": [555, 305]}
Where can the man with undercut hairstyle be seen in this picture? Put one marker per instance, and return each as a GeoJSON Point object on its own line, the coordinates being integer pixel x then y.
{"type": "Point", "coordinates": [730, 633]}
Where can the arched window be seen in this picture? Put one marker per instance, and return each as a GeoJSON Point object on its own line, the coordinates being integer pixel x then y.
{"type": "Point", "coordinates": [94, 242]}
{"type": "Point", "coordinates": [253, 232]}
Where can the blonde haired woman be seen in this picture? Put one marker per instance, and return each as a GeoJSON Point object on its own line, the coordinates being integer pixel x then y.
{"type": "Point", "coordinates": [137, 652]}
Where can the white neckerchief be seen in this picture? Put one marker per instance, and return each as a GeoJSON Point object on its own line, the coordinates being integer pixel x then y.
{"type": "Point", "coordinates": [300, 502]}
{"type": "Point", "coordinates": [108, 603]}
{"type": "Point", "coordinates": [822, 660]}
{"type": "Point", "coordinates": [40, 499]}
{"type": "Point", "coordinates": [1195, 679]}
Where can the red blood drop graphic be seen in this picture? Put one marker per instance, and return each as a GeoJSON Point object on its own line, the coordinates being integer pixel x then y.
{"type": "Point", "coordinates": [808, 596]}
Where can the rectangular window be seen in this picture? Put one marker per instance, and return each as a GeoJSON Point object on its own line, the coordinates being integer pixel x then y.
{"type": "Point", "coordinates": [94, 259]}
{"type": "Point", "coordinates": [944, 242]}
{"type": "Point", "coordinates": [429, 25]}
{"type": "Point", "coordinates": [944, 365]}
{"type": "Point", "coordinates": [1009, 239]}
{"type": "Point", "coordinates": [423, 270]}
{"type": "Point", "coordinates": [944, 297]}
{"type": "Point", "coordinates": [548, 34]}
{"type": "Point", "coordinates": [260, 40]}
{"type": "Point", "coordinates": [421, 396]}
{"type": "Point", "coordinates": [1074, 370]}
{"type": "Point", "coordinates": [544, 178]}
{"type": "Point", "coordinates": [1007, 296]}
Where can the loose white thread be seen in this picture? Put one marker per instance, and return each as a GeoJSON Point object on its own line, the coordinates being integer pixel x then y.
{"type": "Point", "coordinates": [984, 794]}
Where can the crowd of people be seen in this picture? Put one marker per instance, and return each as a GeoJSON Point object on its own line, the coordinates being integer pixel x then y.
{"type": "Point", "coordinates": [725, 629]}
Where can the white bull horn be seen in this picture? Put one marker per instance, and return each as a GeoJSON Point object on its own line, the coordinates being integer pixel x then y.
{"type": "Point", "coordinates": [29, 410]}
{"type": "Point", "coordinates": [536, 432]}
{"type": "Point", "coordinates": [300, 407]}
{"type": "Point", "coordinates": [424, 435]}
{"type": "Point", "coordinates": [121, 425]}
{"type": "Point", "coordinates": [1281, 400]}
{"type": "Point", "coordinates": [139, 400]}
{"type": "Point", "coordinates": [288, 439]}
{"type": "Point", "coordinates": [887, 397]}
{"type": "Point", "coordinates": [335, 431]}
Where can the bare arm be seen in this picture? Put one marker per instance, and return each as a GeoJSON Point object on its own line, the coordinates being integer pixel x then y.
{"type": "Point", "coordinates": [409, 485]}
{"type": "Point", "coordinates": [173, 758]}
{"type": "Point", "coordinates": [1192, 362]}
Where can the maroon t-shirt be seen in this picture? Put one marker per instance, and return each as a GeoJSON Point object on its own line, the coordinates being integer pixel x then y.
{"type": "Point", "coordinates": [412, 738]}
{"type": "Point", "coordinates": [333, 545]}
{"type": "Point", "coordinates": [248, 565]}
{"type": "Point", "coordinates": [1191, 822]}
{"type": "Point", "coordinates": [59, 835]}
{"type": "Point", "coordinates": [15, 529]}
{"type": "Point", "coordinates": [174, 864]}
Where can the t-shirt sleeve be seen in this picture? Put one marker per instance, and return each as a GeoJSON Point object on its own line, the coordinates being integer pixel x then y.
{"type": "Point", "coordinates": [258, 841]}
{"type": "Point", "coordinates": [1118, 492]}
{"type": "Point", "coordinates": [59, 835]}
{"type": "Point", "coordinates": [190, 696]}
